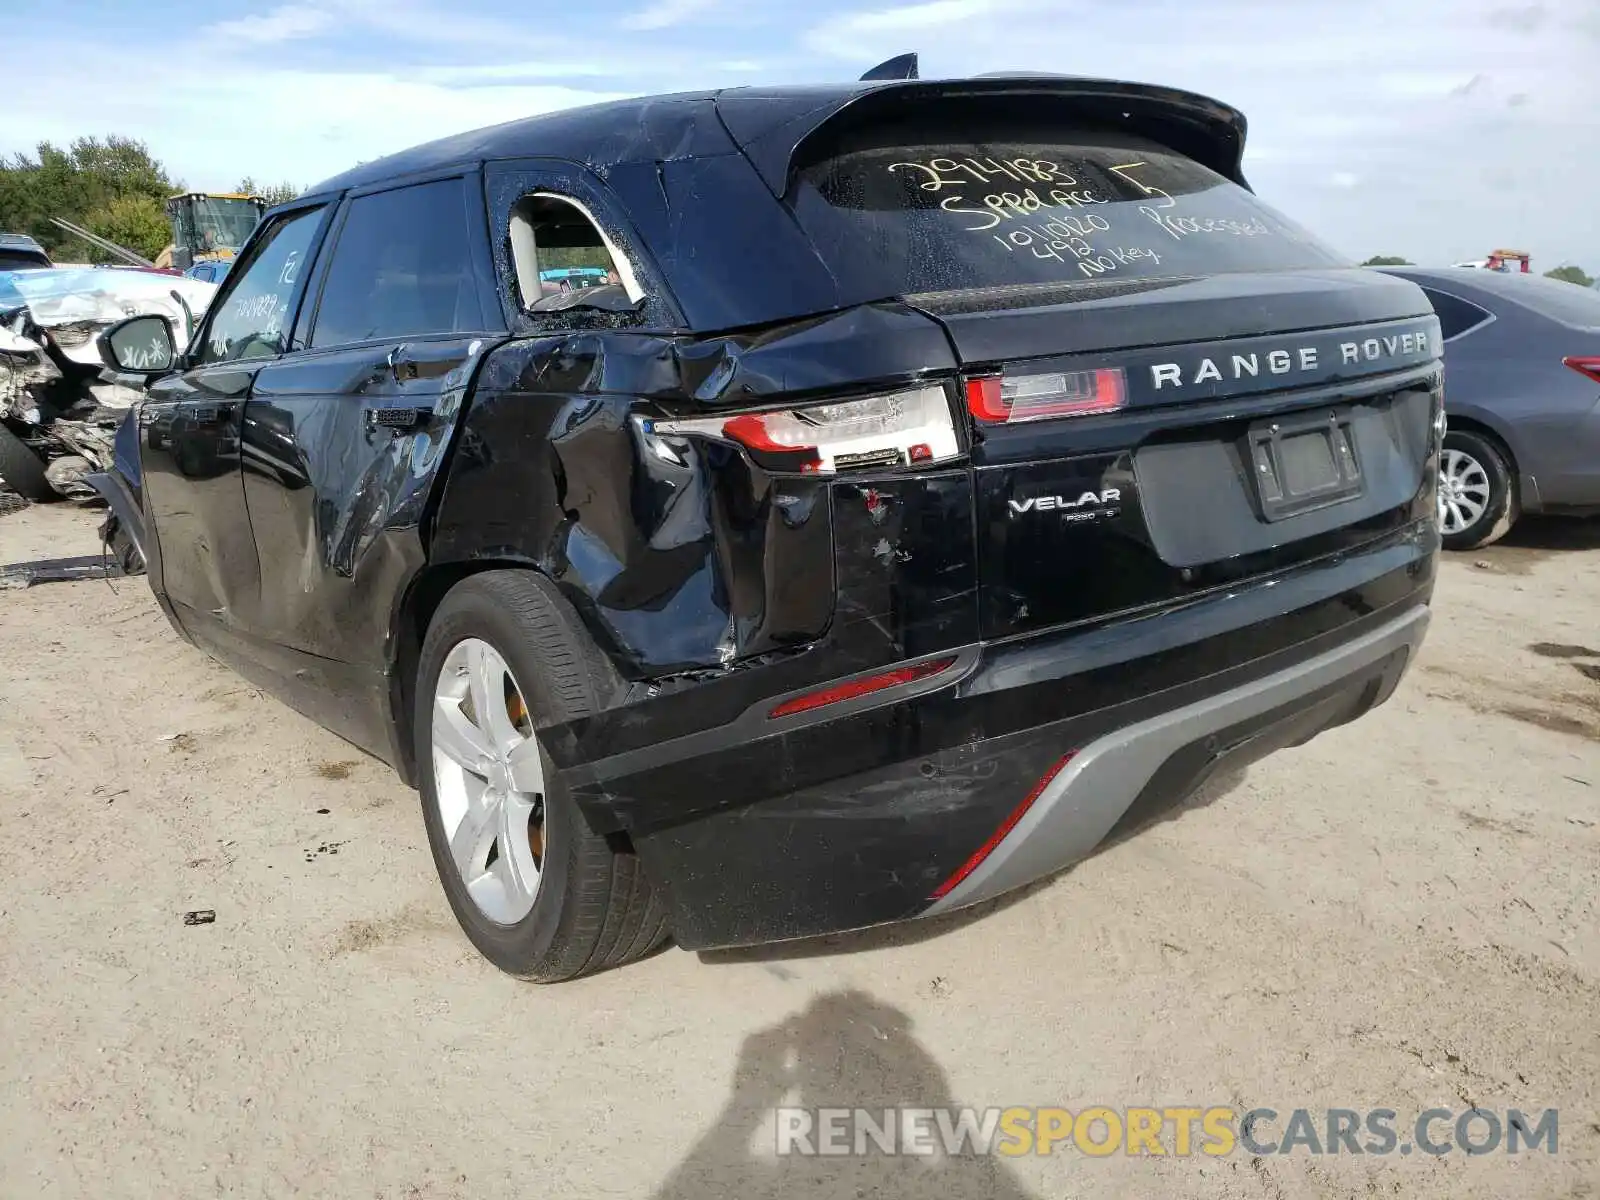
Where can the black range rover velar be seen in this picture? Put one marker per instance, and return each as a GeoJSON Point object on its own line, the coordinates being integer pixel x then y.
{"type": "Point", "coordinates": [763, 513]}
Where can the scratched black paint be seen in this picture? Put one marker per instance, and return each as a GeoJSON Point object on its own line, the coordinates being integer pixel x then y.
{"type": "Point", "coordinates": [306, 511]}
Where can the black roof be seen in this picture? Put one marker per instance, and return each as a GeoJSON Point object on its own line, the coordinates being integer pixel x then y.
{"type": "Point", "coordinates": [770, 124]}
{"type": "Point", "coordinates": [19, 241]}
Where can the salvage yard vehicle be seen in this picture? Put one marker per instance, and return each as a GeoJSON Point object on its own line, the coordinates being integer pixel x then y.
{"type": "Point", "coordinates": [955, 467]}
{"type": "Point", "coordinates": [207, 230]}
{"type": "Point", "coordinates": [58, 412]}
{"type": "Point", "coordinates": [1523, 363]}
{"type": "Point", "coordinates": [19, 252]}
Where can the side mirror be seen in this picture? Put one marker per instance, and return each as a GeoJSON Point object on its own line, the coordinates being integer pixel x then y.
{"type": "Point", "coordinates": [139, 345]}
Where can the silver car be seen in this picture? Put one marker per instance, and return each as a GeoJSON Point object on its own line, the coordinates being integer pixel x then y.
{"type": "Point", "coordinates": [1522, 396]}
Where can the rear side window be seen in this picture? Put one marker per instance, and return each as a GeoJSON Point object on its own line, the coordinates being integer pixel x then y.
{"type": "Point", "coordinates": [402, 267]}
{"type": "Point", "coordinates": [924, 211]}
{"type": "Point", "coordinates": [1456, 316]}
{"type": "Point", "coordinates": [562, 258]}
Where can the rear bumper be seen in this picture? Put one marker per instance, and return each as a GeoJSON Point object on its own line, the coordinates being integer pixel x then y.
{"type": "Point", "coordinates": [113, 489]}
{"type": "Point", "coordinates": [1083, 802]}
{"type": "Point", "coordinates": [862, 818]}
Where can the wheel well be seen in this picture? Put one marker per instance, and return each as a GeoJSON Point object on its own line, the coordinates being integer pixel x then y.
{"type": "Point", "coordinates": [1488, 434]}
{"type": "Point", "coordinates": [1469, 425]}
{"type": "Point", "coordinates": [421, 601]}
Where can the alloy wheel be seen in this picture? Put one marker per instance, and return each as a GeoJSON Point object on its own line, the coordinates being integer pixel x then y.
{"type": "Point", "coordinates": [1463, 491]}
{"type": "Point", "coordinates": [489, 781]}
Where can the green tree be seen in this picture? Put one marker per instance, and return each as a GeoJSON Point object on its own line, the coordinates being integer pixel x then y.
{"type": "Point", "coordinates": [277, 193]}
{"type": "Point", "coordinates": [138, 222]}
{"type": "Point", "coordinates": [81, 184]}
{"type": "Point", "coordinates": [1571, 274]}
{"type": "Point", "coordinates": [1386, 260]}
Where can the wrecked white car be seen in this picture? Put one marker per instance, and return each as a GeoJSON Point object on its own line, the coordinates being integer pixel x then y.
{"type": "Point", "coordinates": [59, 406]}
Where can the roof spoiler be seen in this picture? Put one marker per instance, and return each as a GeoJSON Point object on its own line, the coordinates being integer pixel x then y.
{"type": "Point", "coordinates": [773, 126]}
{"type": "Point", "coordinates": [902, 66]}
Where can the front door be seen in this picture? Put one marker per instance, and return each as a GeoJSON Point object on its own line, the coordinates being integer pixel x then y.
{"type": "Point", "coordinates": [190, 423]}
{"type": "Point", "coordinates": [343, 440]}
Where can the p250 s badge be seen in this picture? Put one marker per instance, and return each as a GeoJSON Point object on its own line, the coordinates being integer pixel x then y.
{"type": "Point", "coordinates": [1087, 506]}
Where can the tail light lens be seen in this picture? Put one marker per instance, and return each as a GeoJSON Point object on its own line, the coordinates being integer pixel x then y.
{"type": "Point", "coordinates": [909, 428]}
{"type": "Point", "coordinates": [1011, 399]}
{"type": "Point", "coordinates": [1584, 365]}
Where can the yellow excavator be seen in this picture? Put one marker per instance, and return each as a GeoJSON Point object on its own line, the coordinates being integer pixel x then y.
{"type": "Point", "coordinates": [209, 227]}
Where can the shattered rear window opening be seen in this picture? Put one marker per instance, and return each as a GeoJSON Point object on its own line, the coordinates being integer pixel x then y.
{"type": "Point", "coordinates": [903, 213]}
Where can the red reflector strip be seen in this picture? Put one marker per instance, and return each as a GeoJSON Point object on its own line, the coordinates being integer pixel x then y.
{"type": "Point", "coordinates": [860, 687]}
{"type": "Point", "coordinates": [1006, 826]}
{"type": "Point", "coordinates": [1584, 365]}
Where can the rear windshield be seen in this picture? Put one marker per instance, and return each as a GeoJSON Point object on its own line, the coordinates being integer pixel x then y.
{"type": "Point", "coordinates": [897, 213]}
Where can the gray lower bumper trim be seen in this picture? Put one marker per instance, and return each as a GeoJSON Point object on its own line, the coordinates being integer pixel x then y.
{"type": "Point", "coordinates": [1084, 802]}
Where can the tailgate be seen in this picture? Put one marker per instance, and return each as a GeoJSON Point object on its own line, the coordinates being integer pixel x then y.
{"type": "Point", "coordinates": [1222, 460]}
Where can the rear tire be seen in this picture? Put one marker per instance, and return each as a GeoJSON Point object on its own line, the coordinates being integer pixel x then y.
{"type": "Point", "coordinates": [1477, 491]}
{"type": "Point", "coordinates": [23, 470]}
{"type": "Point", "coordinates": [592, 906]}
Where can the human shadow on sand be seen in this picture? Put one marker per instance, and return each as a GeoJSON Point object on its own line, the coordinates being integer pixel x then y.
{"type": "Point", "coordinates": [845, 1050]}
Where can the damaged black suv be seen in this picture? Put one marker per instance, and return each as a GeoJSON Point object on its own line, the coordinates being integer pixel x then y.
{"type": "Point", "coordinates": [936, 471]}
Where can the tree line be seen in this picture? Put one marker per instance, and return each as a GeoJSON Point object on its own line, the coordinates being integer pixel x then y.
{"type": "Point", "coordinates": [1569, 273]}
{"type": "Point", "coordinates": [112, 186]}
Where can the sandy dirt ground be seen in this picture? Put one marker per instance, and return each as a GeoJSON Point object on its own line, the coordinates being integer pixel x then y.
{"type": "Point", "coordinates": [1400, 915]}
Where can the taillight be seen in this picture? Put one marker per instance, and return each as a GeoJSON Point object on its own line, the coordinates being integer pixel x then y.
{"type": "Point", "coordinates": [1010, 399]}
{"type": "Point", "coordinates": [854, 688]}
{"type": "Point", "coordinates": [897, 429]}
{"type": "Point", "coordinates": [1584, 365]}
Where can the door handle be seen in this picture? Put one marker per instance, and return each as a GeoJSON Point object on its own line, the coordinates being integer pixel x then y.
{"type": "Point", "coordinates": [402, 420]}
{"type": "Point", "coordinates": [210, 414]}
{"type": "Point", "coordinates": [401, 368]}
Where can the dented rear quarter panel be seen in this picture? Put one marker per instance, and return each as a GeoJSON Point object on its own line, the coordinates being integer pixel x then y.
{"type": "Point", "coordinates": [693, 566]}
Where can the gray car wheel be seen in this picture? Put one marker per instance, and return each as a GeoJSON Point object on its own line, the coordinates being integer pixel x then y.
{"type": "Point", "coordinates": [1477, 494]}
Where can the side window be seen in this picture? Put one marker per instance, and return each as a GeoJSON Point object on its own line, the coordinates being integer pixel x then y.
{"type": "Point", "coordinates": [402, 266]}
{"type": "Point", "coordinates": [252, 312]}
{"type": "Point", "coordinates": [1456, 316]}
{"type": "Point", "coordinates": [563, 260]}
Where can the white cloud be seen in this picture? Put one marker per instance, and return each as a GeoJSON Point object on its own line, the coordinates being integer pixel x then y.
{"type": "Point", "coordinates": [283, 24]}
{"type": "Point", "coordinates": [213, 127]}
{"type": "Point", "coordinates": [478, 73]}
{"type": "Point", "coordinates": [842, 36]}
{"type": "Point", "coordinates": [665, 13]}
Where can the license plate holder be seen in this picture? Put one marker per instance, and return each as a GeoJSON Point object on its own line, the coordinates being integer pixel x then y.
{"type": "Point", "coordinates": [1303, 463]}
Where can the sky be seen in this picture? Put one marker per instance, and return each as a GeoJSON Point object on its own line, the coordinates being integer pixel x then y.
{"type": "Point", "coordinates": [1433, 129]}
